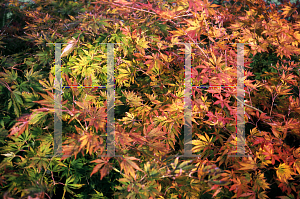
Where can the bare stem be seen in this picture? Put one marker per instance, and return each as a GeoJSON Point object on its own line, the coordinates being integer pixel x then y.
{"type": "Point", "coordinates": [273, 99]}
{"type": "Point", "coordinates": [134, 8]}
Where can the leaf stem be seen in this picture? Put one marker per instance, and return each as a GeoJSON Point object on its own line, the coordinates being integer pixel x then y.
{"type": "Point", "coordinates": [273, 99]}
{"type": "Point", "coordinates": [247, 104]}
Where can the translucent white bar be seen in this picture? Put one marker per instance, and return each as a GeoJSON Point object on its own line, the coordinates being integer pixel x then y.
{"type": "Point", "coordinates": [240, 120]}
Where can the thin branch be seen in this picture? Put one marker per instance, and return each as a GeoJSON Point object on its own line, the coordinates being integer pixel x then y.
{"type": "Point", "coordinates": [47, 195]}
{"type": "Point", "coordinates": [133, 8]}
{"type": "Point", "coordinates": [207, 57]}
{"type": "Point", "coordinates": [273, 99]}
{"type": "Point", "coordinates": [186, 15]}
{"type": "Point", "coordinates": [247, 104]}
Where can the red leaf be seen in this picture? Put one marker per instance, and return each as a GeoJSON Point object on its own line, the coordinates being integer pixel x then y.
{"type": "Point", "coordinates": [104, 162]}
{"type": "Point", "coordinates": [20, 126]}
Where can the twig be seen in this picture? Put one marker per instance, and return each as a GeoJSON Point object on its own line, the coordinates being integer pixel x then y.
{"type": "Point", "coordinates": [186, 15]}
{"type": "Point", "coordinates": [48, 195]}
{"type": "Point", "coordinates": [171, 22]}
{"type": "Point", "coordinates": [247, 104]}
{"type": "Point", "coordinates": [207, 57]}
{"type": "Point", "coordinates": [273, 99]}
{"type": "Point", "coordinates": [134, 8]}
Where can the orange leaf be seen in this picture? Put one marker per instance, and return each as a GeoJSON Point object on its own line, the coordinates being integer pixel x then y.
{"type": "Point", "coordinates": [104, 162]}
{"type": "Point", "coordinates": [128, 166]}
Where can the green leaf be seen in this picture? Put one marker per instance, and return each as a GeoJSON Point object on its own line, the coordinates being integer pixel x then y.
{"type": "Point", "coordinates": [17, 95]}
{"type": "Point", "coordinates": [9, 104]}
{"type": "Point", "coordinates": [37, 117]}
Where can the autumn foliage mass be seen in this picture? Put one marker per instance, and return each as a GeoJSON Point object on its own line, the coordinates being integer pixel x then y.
{"type": "Point", "coordinates": [149, 108]}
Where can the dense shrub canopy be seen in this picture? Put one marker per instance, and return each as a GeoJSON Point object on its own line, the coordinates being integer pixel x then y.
{"type": "Point", "coordinates": [149, 106]}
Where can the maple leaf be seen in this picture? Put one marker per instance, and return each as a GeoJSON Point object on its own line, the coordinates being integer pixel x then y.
{"type": "Point", "coordinates": [102, 164]}
{"type": "Point", "coordinates": [20, 126]}
{"type": "Point", "coordinates": [154, 137]}
{"type": "Point", "coordinates": [250, 164]}
{"type": "Point", "coordinates": [48, 100]}
{"type": "Point", "coordinates": [262, 195]}
{"type": "Point", "coordinates": [91, 141]}
{"type": "Point", "coordinates": [297, 166]}
{"type": "Point", "coordinates": [284, 172]}
{"type": "Point", "coordinates": [97, 118]}
{"type": "Point", "coordinates": [240, 185]}
{"type": "Point", "coordinates": [38, 116]}
{"type": "Point", "coordinates": [287, 11]}
{"type": "Point", "coordinates": [202, 143]}
{"type": "Point", "coordinates": [221, 101]}
{"type": "Point", "coordinates": [132, 99]}
{"type": "Point", "coordinates": [71, 146]}
{"type": "Point", "coordinates": [128, 166]}
{"type": "Point", "coordinates": [269, 152]}
{"type": "Point", "coordinates": [263, 158]}
{"type": "Point", "coordinates": [122, 138]}
{"type": "Point", "coordinates": [260, 182]}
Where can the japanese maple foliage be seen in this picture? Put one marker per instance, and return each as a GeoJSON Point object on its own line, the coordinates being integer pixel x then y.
{"type": "Point", "coordinates": [149, 102]}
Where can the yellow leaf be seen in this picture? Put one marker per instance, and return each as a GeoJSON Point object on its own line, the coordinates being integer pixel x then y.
{"type": "Point", "coordinates": [284, 172]}
{"type": "Point", "coordinates": [249, 165]}
{"type": "Point", "coordinates": [202, 143]}
{"type": "Point", "coordinates": [84, 140]}
{"type": "Point", "coordinates": [297, 165]}
{"type": "Point", "coordinates": [128, 166]}
{"type": "Point", "coordinates": [262, 195]}
{"type": "Point", "coordinates": [297, 35]}
{"type": "Point", "coordinates": [71, 17]}
{"type": "Point", "coordinates": [287, 11]}
{"type": "Point", "coordinates": [260, 182]}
